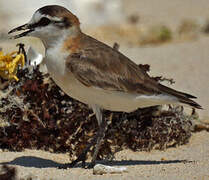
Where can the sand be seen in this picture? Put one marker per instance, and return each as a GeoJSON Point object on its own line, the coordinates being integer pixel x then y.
{"type": "Point", "coordinates": [189, 161]}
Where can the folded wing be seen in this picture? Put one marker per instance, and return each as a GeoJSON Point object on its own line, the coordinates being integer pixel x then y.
{"type": "Point", "coordinates": [100, 66]}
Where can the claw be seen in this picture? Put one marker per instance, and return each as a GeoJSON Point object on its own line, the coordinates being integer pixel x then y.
{"type": "Point", "coordinates": [83, 164]}
{"type": "Point", "coordinates": [91, 165]}
{"type": "Point", "coordinates": [81, 158]}
{"type": "Point", "coordinates": [65, 166]}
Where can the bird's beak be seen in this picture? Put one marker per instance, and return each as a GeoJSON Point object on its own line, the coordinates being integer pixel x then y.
{"type": "Point", "coordinates": [26, 27]}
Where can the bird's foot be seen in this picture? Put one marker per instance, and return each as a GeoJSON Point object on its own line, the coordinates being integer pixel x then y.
{"type": "Point", "coordinates": [81, 158]}
{"type": "Point", "coordinates": [75, 162]}
{"type": "Point", "coordinates": [65, 166]}
{"type": "Point", "coordinates": [91, 165]}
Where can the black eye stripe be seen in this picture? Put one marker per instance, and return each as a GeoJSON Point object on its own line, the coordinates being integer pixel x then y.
{"type": "Point", "coordinates": [57, 22]}
{"type": "Point", "coordinates": [67, 22]}
{"type": "Point", "coordinates": [44, 21]}
{"type": "Point", "coordinates": [64, 23]}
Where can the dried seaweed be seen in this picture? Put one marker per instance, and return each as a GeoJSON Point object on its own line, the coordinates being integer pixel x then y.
{"type": "Point", "coordinates": [41, 116]}
{"type": "Point", "coordinates": [8, 173]}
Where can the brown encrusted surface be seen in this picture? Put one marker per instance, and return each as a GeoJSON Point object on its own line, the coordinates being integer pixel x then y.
{"type": "Point", "coordinates": [8, 173]}
{"type": "Point", "coordinates": [41, 116]}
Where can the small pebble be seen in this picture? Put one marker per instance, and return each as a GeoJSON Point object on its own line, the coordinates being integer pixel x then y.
{"type": "Point", "coordinates": [100, 169]}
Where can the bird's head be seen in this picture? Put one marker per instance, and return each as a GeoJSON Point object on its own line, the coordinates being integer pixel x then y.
{"type": "Point", "coordinates": [50, 23]}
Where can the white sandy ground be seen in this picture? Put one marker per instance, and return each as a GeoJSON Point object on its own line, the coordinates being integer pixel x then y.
{"type": "Point", "coordinates": [189, 161]}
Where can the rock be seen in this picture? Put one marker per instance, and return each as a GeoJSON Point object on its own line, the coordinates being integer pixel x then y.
{"type": "Point", "coordinates": [100, 169]}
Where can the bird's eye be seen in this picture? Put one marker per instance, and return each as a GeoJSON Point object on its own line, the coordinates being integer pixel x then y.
{"type": "Point", "coordinates": [44, 21]}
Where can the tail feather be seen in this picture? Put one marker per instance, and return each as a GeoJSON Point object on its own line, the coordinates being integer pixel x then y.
{"type": "Point", "coordinates": [181, 96]}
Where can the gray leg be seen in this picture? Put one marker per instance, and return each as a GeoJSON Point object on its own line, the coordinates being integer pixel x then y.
{"type": "Point", "coordinates": [100, 137]}
{"type": "Point", "coordinates": [100, 134]}
{"type": "Point", "coordinates": [95, 141]}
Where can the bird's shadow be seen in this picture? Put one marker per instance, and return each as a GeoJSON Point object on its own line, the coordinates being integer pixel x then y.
{"type": "Point", "coordinates": [31, 161]}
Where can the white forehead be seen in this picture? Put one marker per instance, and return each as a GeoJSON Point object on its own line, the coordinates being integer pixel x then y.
{"type": "Point", "coordinates": [37, 16]}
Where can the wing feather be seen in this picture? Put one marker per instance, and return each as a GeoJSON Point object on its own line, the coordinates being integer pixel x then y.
{"type": "Point", "coordinates": [98, 65]}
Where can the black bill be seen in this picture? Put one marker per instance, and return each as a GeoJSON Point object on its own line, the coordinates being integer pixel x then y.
{"type": "Point", "coordinates": [21, 28]}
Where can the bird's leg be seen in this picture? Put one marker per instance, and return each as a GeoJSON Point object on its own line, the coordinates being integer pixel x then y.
{"type": "Point", "coordinates": [101, 134]}
{"type": "Point", "coordinates": [82, 156]}
{"type": "Point", "coordinates": [95, 141]}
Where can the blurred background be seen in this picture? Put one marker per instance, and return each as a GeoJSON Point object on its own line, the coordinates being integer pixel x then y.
{"type": "Point", "coordinates": [171, 36]}
{"type": "Point", "coordinates": [98, 12]}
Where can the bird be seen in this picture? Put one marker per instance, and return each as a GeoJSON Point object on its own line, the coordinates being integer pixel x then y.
{"type": "Point", "coordinates": [94, 73]}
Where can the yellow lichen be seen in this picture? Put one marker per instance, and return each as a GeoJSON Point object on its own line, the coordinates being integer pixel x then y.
{"type": "Point", "coordinates": [9, 64]}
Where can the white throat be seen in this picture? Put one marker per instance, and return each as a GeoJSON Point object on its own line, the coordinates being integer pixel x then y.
{"type": "Point", "coordinates": [51, 37]}
{"type": "Point", "coordinates": [54, 39]}
{"type": "Point", "coordinates": [55, 57]}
